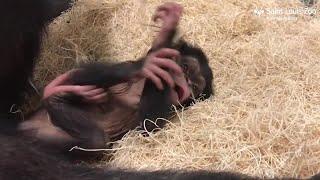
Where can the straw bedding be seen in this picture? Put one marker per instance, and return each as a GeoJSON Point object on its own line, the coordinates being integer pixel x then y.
{"type": "Point", "coordinates": [265, 116]}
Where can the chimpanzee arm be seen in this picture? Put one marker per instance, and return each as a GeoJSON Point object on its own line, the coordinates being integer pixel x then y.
{"type": "Point", "coordinates": [170, 14]}
{"type": "Point", "coordinates": [164, 39]}
{"type": "Point", "coordinates": [106, 75]}
{"type": "Point", "coordinates": [155, 103]}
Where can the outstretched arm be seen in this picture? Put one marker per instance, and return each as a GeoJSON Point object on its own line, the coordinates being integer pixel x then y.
{"type": "Point", "coordinates": [170, 14]}
{"type": "Point", "coordinates": [155, 103]}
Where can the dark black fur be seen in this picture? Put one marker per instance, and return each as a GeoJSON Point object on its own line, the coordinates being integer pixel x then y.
{"type": "Point", "coordinates": [54, 8]}
{"type": "Point", "coordinates": [22, 160]}
{"type": "Point", "coordinates": [154, 104]}
{"type": "Point", "coordinates": [22, 26]}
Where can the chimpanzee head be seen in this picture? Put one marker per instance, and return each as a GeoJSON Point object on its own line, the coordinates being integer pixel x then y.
{"type": "Point", "coordinates": [197, 80]}
{"type": "Point", "coordinates": [196, 83]}
{"type": "Point", "coordinates": [197, 72]}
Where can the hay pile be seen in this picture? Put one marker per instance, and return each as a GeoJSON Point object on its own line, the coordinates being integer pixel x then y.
{"type": "Point", "coordinates": [265, 117]}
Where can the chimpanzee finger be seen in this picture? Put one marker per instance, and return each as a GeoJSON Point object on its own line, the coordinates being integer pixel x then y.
{"type": "Point", "coordinates": [178, 9]}
{"type": "Point", "coordinates": [149, 75]}
{"type": "Point", "coordinates": [177, 15]}
{"type": "Point", "coordinates": [169, 64]}
{"type": "Point", "coordinates": [162, 74]}
{"type": "Point", "coordinates": [79, 90]}
{"type": "Point", "coordinates": [94, 92]}
{"type": "Point", "coordinates": [61, 79]}
{"type": "Point", "coordinates": [98, 98]}
{"type": "Point", "coordinates": [167, 53]}
{"type": "Point", "coordinates": [167, 6]}
{"type": "Point", "coordinates": [159, 15]}
{"type": "Point", "coordinates": [85, 88]}
{"type": "Point", "coordinates": [171, 7]}
{"type": "Point", "coordinates": [49, 91]}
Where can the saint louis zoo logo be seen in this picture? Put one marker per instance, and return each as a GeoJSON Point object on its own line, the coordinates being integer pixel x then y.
{"type": "Point", "coordinates": [258, 12]}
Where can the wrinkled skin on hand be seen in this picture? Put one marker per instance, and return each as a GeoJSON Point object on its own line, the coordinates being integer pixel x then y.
{"type": "Point", "coordinates": [90, 93]}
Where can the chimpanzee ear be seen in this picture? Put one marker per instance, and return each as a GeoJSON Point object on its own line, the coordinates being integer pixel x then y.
{"type": "Point", "coordinates": [54, 8]}
{"type": "Point", "coordinates": [154, 104]}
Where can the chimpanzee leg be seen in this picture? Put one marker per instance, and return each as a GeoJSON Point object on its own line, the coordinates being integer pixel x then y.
{"type": "Point", "coordinates": [75, 121]}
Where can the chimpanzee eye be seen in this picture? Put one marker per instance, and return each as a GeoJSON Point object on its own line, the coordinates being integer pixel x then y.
{"type": "Point", "coordinates": [185, 67]}
{"type": "Point", "coordinates": [194, 87]}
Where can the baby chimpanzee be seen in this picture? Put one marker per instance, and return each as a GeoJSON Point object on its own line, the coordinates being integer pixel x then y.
{"type": "Point", "coordinates": [171, 74]}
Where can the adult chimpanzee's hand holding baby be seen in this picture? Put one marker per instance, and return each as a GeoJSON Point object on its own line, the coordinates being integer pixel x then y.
{"type": "Point", "coordinates": [89, 93]}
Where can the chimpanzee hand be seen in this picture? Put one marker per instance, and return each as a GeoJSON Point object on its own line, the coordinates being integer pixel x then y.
{"type": "Point", "coordinates": [89, 93]}
{"type": "Point", "coordinates": [158, 66]}
{"type": "Point", "coordinates": [170, 14]}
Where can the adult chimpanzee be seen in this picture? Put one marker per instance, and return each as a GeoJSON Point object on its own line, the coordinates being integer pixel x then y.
{"type": "Point", "coordinates": [131, 97]}
{"type": "Point", "coordinates": [22, 26]}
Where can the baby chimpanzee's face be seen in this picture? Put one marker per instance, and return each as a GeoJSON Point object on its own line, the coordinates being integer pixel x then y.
{"type": "Point", "coordinates": [191, 84]}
